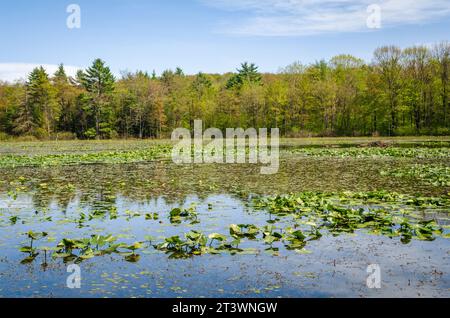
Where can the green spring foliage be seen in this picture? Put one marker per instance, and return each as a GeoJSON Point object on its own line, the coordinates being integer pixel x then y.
{"type": "Point", "coordinates": [403, 92]}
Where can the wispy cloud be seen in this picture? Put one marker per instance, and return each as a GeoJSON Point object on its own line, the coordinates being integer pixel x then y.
{"type": "Point", "coordinates": [306, 17]}
{"type": "Point", "coordinates": [11, 72]}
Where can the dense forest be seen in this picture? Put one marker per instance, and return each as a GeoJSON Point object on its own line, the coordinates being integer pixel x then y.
{"type": "Point", "coordinates": [401, 92]}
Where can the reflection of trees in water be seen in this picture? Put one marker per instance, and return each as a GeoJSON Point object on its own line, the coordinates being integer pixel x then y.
{"type": "Point", "coordinates": [43, 199]}
{"type": "Point", "coordinates": [98, 186]}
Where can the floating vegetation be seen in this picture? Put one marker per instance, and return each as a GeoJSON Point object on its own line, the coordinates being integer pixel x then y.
{"type": "Point", "coordinates": [153, 152]}
{"type": "Point", "coordinates": [193, 244]}
{"type": "Point", "coordinates": [29, 249]}
{"type": "Point", "coordinates": [380, 212]}
{"type": "Point", "coordinates": [128, 219]}
{"type": "Point", "coordinates": [178, 215]}
{"type": "Point", "coordinates": [110, 157]}
{"type": "Point", "coordinates": [81, 249]}
{"type": "Point", "coordinates": [315, 214]}
{"type": "Point", "coordinates": [437, 175]}
{"type": "Point", "coordinates": [151, 216]}
{"type": "Point", "coordinates": [243, 230]}
{"type": "Point", "coordinates": [364, 152]}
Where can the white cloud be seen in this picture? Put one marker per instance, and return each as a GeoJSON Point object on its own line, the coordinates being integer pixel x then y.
{"type": "Point", "coordinates": [306, 17]}
{"type": "Point", "coordinates": [11, 72]}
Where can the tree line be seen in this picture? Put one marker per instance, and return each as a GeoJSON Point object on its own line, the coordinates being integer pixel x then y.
{"type": "Point", "coordinates": [401, 92]}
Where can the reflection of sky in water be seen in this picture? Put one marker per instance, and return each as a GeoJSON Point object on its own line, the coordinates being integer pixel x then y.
{"type": "Point", "coordinates": [336, 266]}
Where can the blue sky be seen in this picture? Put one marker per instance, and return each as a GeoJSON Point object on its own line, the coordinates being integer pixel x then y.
{"type": "Point", "coordinates": [208, 35]}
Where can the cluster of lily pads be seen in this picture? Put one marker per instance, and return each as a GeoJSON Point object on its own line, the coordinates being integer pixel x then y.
{"type": "Point", "coordinates": [364, 152]}
{"type": "Point", "coordinates": [193, 243]}
{"type": "Point", "coordinates": [437, 175]}
{"type": "Point", "coordinates": [164, 150]}
{"type": "Point", "coordinates": [108, 157]}
{"type": "Point", "coordinates": [80, 249]}
{"type": "Point", "coordinates": [380, 212]}
{"type": "Point", "coordinates": [150, 153]}
{"type": "Point", "coordinates": [177, 215]}
{"type": "Point", "coordinates": [313, 214]}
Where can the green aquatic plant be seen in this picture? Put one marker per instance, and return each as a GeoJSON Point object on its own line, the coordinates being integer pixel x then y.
{"type": "Point", "coordinates": [216, 237]}
{"type": "Point", "coordinates": [86, 248]}
{"type": "Point", "coordinates": [244, 230]}
{"type": "Point", "coordinates": [295, 239]}
{"type": "Point", "coordinates": [30, 258]}
{"type": "Point", "coordinates": [33, 236]}
{"type": "Point", "coordinates": [151, 216]}
{"type": "Point", "coordinates": [177, 215]}
{"type": "Point", "coordinates": [436, 175]}
{"type": "Point", "coordinates": [374, 152]}
{"type": "Point", "coordinates": [81, 220]}
{"type": "Point", "coordinates": [104, 157]}
{"type": "Point", "coordinates": [379, 212]}
{"type": "Point", "coordinates": [29, 249]}
{"type": "Point", "coordinates": [302, 203]}
{"type": "Point", "coordinates": [271, 236]}
{"type": "Point", "coordinates": [194, 244]}
{"type": "Point", "coordinates": [132, 257]}
{"type": "Point", "coordinates": [423, 230]}
{"type": "Point", "coordinates": [13, 219]}
{"type": "Point", "coordinates": [99, 240]}
{"type": "Point", "coordinates": [131, 214]}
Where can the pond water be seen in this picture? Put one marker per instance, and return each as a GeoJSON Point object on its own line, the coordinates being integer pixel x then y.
{"type": "Point", "coordinates": [141, 197]}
